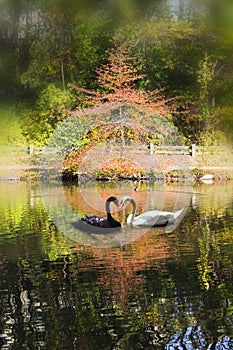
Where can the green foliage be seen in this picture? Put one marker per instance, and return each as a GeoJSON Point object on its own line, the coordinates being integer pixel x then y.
{"type": "Point", "coordinates": [187, 50]}
{"type": "Point", "coordinates": [51, 59]}
{"type": "Point", "coordinates": [69, 135]}
{"type": "Point", "coordinates": [91, 40]}
{"type": "Point", "coordinates": [7, 70]}
{"type": "Point", "coordinates": [70, 50]}
{"type": "Point", "coordinates": [53, 103]}
{"type": "Point", "coordinates": [10, 127]}
{"type": "Point", "coordinates": [204, 77]}
{"type": "Point", "coordinates": [36, 130]}
{"type": "Point", "coordinates": [168, 53]}
{"type": "Point", "coordinates": [39, 123]}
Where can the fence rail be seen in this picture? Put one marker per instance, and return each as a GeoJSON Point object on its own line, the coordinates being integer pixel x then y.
{"type": "Point", "coordinates": [193, 150]}
{"type": "Point", "coordinates": [172, 150]}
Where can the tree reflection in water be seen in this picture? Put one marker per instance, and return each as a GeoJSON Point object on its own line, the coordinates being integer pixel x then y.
{"type": "Point", "coordinates": [194, 338]}
{"type": "Point", "coordinates": [147, 294]}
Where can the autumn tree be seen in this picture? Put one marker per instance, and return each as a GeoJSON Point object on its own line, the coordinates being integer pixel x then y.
{"type": "Point", "coordinates": [119, 82]}
{"type": "Point", "coordinates": [120, 106]}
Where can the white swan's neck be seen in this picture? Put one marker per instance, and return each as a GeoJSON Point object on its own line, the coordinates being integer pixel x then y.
{"type": "Point", "coordinates": [130, 218]}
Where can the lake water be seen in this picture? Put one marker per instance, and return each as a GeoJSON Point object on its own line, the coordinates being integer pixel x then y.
{"type": "Point", "coordinates": [134, 289]}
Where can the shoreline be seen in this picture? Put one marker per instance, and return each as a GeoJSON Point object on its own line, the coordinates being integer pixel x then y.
{"type": "Point", "coordinates": [166, 168]}
{"type": "Point", "coordinates": [201, 173]}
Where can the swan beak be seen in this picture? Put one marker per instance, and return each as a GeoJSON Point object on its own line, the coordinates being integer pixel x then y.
{"type": "Point", "coordinates": [121, 204]}
{"type": "Point", "coordinates": [117, 203]}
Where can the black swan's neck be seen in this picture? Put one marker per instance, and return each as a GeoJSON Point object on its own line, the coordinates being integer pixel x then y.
{"type": "Point", "coordinates": [112, 221]}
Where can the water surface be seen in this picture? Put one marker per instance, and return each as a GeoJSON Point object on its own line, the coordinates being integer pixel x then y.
{"type": "Point", "coordinates": [62, 289]}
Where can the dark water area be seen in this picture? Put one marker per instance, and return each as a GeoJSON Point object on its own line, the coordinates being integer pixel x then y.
{"type": "Point", "coordinates": [157, 288]}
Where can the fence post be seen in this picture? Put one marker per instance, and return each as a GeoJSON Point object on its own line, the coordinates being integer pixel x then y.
{"type": "Point", "coordinates": [152, 146]}
{"type": "Point", "coordinates": [31, 150]}
{"type": "Point", "coordinates": [194, 150]}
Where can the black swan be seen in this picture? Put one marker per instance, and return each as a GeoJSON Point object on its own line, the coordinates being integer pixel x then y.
{"type": "Point", "coordinates": [149, 218]}
{"type": "Point", "coordinates": [90, 223]}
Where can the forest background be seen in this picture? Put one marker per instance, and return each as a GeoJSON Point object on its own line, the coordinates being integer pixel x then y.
{"type": "Point", "coordinates": [53, 55]}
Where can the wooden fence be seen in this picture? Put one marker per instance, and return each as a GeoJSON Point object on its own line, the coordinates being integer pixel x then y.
{"type": "Point", "coordinates": [193, 150]}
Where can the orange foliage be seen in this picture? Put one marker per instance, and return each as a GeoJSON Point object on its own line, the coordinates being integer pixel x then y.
{"type": "Point", "coordinates": [101, 135]}
{"type": "Point", "coordinates": [117, 80]}
{"type": "Point", "coordinates": [120, 72]}
{"type": "Point", "coordinates": [120, 168]}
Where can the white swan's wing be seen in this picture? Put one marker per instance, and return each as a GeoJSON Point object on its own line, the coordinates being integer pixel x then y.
{"type": "Point", "coordinates": [156, 218]}
{"type": "Point", "coordinates": [152, 218]}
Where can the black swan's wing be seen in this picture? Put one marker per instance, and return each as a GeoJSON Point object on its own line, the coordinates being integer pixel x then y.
{"type": "Point", "coordinates": [99, 228]}
{"type": "Point", "coordinates": [98, 221]}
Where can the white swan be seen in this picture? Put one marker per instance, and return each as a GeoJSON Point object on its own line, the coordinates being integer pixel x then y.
{"type": "Point", "coordinates": [150, 218]}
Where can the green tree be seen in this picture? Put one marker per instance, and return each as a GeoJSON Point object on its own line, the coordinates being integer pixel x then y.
{"type": "Point", "coordinates": [51, 57]}
{"type": "Point", "coordinates": [61, 42]}
{"type": "Point", "coordinates": [174, 55]}
{"type": "Point", "coordinates": [39, 123]}
{"type": "Point", "coordinates": [92, 38]}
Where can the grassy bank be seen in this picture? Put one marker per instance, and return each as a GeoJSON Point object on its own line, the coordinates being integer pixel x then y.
{"type": "Point", "coordinates": [11, 137]}
{"type": "Point", "coordinates": [17, 163]}
{"type": "Point", "coordinates": [10, 126]}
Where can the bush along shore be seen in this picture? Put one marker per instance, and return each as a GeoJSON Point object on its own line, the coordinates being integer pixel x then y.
{"type": "Point", "coordinates": [186, 168]}
{"type": "Point", "coordinates": [172, 176]}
